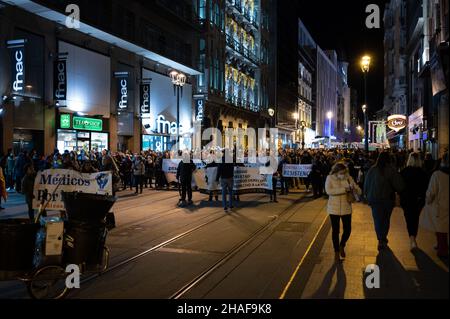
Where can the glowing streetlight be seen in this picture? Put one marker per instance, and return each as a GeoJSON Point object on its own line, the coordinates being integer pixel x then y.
{"type": "Point", "coordinates": [178, 80]}
{"type": "Point", "coordinates": [365, 63]}
{"type": "Point", "coordinates": [365, 67]}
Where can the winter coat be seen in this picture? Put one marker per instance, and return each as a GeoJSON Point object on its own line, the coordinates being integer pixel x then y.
{"type": "Point", "coordinates": [381, 186]}
{"type": "Point", "coordinates": [435, 213]}
{"type": "Point", "coordinates": [138, 167]}
{"type": "Point", "coordinates": [185, 170]}
{"type": "Point", "coordinates": [335, 188]}
{"type": "Point", "coordinates": [225, 171]}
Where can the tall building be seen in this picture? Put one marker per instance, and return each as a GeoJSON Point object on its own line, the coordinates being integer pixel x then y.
{"type": "Point", "coordinates": [285, 79]}
{"type": "Point", "coordinates": [306, 83]}
{"type": "Point", "coordinates": [427, 65]}
{"type": "Point", "coordinates": [234, 60]}
{"type": "Point", "coordinates": [327, 94]}
{"type": "Point", "coordinates": [395, 67]}
{"type": "Point", "coordinates": [99, 83]}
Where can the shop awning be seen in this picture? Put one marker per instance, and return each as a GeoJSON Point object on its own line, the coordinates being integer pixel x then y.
{"type": "Point", "coordinates": [60, 18]}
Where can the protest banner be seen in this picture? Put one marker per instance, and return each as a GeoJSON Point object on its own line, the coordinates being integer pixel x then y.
{"type": "Point", "coordinates": [296, 170]}
{"type": "Point", "coordinates": [170, 166]}
{"type": "Point", "coordinates": [52, 182]}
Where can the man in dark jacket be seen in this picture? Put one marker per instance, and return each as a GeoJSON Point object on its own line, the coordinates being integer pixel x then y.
{"type": "Point", "coordinates": [184, 175]}
{"type": "Point", "coordinates": [225, 173]}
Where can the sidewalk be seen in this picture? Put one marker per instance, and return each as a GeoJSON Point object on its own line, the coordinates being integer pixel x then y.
{"type": "Point", "coordinates": [403, 274]}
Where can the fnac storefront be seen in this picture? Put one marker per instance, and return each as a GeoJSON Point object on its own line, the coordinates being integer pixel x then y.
{"type": "Point", "coordinates": [76, 133]}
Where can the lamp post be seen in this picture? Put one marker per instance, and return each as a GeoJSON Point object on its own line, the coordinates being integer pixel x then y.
{"type": "Point", "coordinates": [329, 117]}
{"type": "Point", "coordinates": [178, 80]}
{"type": "Point", "coordinates": [303, 126]}
{"type": "Point", "coordinates": [365, 66]}
{"type": "Point", "coordinates": [366, 129]}
{"type": "Point", "coordinates": [295, 115]}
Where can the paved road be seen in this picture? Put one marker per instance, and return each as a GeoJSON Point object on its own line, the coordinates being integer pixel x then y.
{"type": "Point", "coordinates": [260, 250]}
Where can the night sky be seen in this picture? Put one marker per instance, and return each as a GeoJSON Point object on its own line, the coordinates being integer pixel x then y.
{"type": "Point", "coordinates": [340, 25]}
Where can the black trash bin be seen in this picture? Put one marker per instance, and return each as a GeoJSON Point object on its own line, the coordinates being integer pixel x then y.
{"type": "Point", "coordinates": [84, 242]}
{"type": "Point", "coordinates": [17, 244]}
{"type": "Point", "coordinates": [85, 207]}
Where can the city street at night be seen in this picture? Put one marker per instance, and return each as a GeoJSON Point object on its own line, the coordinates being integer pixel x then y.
{"type": "Point", "coordinates": [224, 158]}
{"type": "Point", "coordinates": [252, 252]}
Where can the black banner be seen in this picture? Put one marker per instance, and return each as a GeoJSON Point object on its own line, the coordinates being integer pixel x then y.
{"type": "Point", "coordinates": [60, 80]}
{"type": "Point", "coordinates": [122, 91]}
{"type": "Point", "coordinates": [17, 57]}
{"type": "Point", "coordinates": [144, 98]}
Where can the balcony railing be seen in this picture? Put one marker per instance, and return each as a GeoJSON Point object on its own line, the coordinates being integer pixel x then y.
{"type": "Point", "coordinates": [241, 49]}
{"type": "Point", "coordinates": [241, 103]}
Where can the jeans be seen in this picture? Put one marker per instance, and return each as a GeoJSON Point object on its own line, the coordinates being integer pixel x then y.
{"type": "Point", "coordinates": [381, 212]}
{"type": "Point", "coordinates": [335, 226]}
{"type": "Point", "coordinates": [227, 187]}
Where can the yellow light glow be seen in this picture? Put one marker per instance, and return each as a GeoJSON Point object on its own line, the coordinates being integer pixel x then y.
{"type": "Point", "coordinates": [365, 63]}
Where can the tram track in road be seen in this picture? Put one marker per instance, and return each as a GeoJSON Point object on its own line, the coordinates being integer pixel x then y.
{"type": "Point", "coordinates": [166, 242]}
{"type": "Point", "coordinates": [236, 249]}
{"type": "Point", "coordinates": [291, 208]}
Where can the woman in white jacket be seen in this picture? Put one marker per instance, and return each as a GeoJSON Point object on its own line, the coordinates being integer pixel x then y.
{"type": "Point", "coordinates": [435, 214]}
{"type": "Point", "coordinates": [338, 184]}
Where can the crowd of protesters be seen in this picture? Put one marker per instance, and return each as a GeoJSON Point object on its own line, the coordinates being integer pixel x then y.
{"type": "Point", "coordinates": [379, 176]}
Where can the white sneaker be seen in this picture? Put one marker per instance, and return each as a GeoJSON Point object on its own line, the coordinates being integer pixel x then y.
{"type": "Point", "coordinates": [413, 243]}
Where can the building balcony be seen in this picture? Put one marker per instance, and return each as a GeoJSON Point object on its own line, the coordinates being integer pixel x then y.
{"type": "Point", "coordinates": [248, 17]}
{"type": "Point", "coordinates": [243, 51]}
{"type": "Point", "coordinates": [241, 103]}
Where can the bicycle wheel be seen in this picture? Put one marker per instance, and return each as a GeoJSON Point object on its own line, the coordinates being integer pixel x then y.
{"type": "Point", "coordinates": [48, 283]}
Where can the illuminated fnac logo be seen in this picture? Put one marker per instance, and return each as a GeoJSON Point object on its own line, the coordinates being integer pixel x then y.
{"type": "Point", "coordinates": [167, 127]}
{"type": "Point", "coordinates": [397, 122]}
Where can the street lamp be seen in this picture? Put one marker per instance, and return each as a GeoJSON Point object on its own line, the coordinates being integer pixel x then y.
{"type": "Point", "coordinates": [178, 80]}
{"type": "Point", "coordinates": [296, 116]}
{"type": "Point", "coordinates": [329, 117]}
{"type": "Point", "coordinates": [365, 66]}
{"type": "Point", "coordinates": [366, 128]}
{"type": "Point", "coordinates": [303, 126]}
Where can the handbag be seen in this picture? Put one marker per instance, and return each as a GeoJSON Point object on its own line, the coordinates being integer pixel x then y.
{"type": "Point", "coordinates": [351, 197]}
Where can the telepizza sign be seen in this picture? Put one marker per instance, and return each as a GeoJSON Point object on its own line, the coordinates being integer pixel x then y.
{"type": "Point", "coordinates": [396, 122]}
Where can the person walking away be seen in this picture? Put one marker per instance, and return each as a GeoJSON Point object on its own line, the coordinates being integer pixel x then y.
{"type": "Point", "coordinates": [225, 173]}
{"type": "Point", "coordinates": [149, 166]}
{"type": "Point", "coordinates": [3, 193]}
{"type": "Point", "coordinates": [27, 188]}
{"type": "Point", "coordinates": [306, 160]}
{"type": "Point", "coordinates": [9, 171]}
{"type": "Point", "coordinates": [212, 163]}
{"type": "Point", "coordinates": [339, 184]}
{"type": "Point", "coordinates": [184, 176]}
{"type": "Point", "coordinates": [315, 177]}
{"type": "Point", "coordinates": [380, 185]}
{"type": "Point", "coordinates": [412, 198]}
{"type": "Point", "coordinates": [435, 214]}
{"type": "Point", "coordinates": [21, 161]}
{"type": "Point", "coordinates": [138, 173]}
